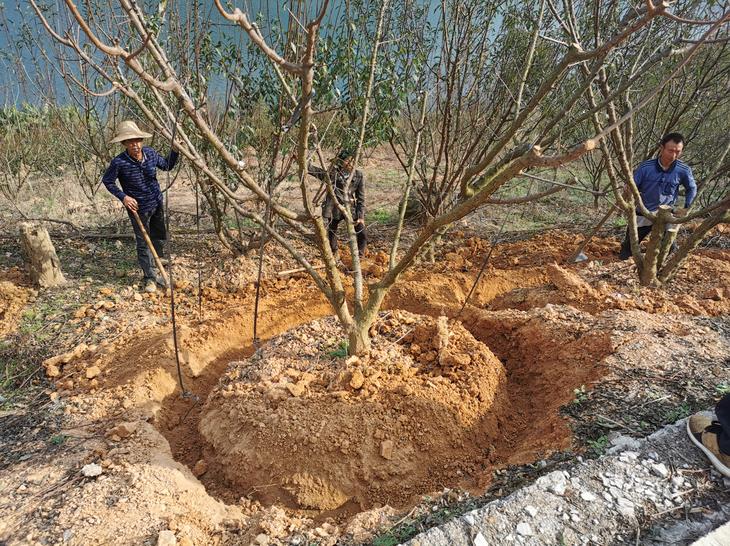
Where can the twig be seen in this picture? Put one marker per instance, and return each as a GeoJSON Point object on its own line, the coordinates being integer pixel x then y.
{"type": "Point", "coordinates": [288, 272]}
{"type": "Point", "coordinates": [622, 425]}
{"type": "Point", "coordinates": [401, 520]}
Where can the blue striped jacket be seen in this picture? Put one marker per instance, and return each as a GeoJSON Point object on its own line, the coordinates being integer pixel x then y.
{"type": "Point", "coordinates": [139, 178]}
{"type": "Point", "coordinates": [660, 187]}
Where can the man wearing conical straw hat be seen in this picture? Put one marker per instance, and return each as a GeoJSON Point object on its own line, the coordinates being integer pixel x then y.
{"type": "Point", "coordinates": [136, 170]}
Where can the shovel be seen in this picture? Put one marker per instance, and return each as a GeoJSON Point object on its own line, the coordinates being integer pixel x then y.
{"type": "Point", "coordinates": [580, 256]}
{"type": "Point", "coordinates": [151, 247]}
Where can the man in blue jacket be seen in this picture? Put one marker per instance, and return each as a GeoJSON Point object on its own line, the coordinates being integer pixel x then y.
{"type": "Point", "coordinates": [136, 170]}
{"type": "Point", "coordinates": [658, 181]}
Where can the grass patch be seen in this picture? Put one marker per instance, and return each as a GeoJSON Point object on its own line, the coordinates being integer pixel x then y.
{"type": "Point", "coordinates": [580, 395]}
{"type": "Point", "coordinates": [57, 439]}
{"type": "Point", "coordinates": [381, 216]}
{"type": "Point", "coordinates": [680, 412]}
{"type": "Point", "coordinates": [34, 340]}
{"type": "Point", "coordinates": [246, 223]}
{"type": "Point", "coordinates": [340, 351]}
{"type": "Point", "coordinates": [598, 446]}
{"type": "Point", "coordinates": [723, 389]}
{"type": "Point", "coordinates": [396, 536]}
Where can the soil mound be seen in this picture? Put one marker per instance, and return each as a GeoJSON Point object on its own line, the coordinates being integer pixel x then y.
{"type": "Point", "coordinates": [298, 423]}
{"type": "Point", "coordinates": [13, 298]}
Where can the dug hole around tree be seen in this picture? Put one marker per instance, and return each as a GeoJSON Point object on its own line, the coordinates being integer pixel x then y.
{"type": "Point", "coordinates": [436, 403]}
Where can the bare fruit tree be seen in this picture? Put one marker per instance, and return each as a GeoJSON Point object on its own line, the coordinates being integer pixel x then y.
{"type": "Point", "coordinates": [486, 91]}
{"type": "Point", "coordinates": [694, 99]}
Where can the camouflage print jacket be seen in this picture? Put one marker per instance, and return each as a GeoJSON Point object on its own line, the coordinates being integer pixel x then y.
{"type": "Point", "coordinates": [356, 197]}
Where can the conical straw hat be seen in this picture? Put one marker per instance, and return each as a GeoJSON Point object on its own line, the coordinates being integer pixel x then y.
{"type": "Point", "coordinates": [128, 130]}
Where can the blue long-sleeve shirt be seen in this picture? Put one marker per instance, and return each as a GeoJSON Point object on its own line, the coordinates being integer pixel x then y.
{"type": "Point", "coordinates": [139, 178]}
{"type": "Point", "coordinates": [659, 187]}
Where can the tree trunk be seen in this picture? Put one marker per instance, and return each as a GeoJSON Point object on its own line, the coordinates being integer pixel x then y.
{"type": "Point", "coordinates": [40, 256]}
{"type": "Point", "coordinates": [648, 274]}
{"type": "Point", "coordinates": [675, 261]}
{"type": "Point", "coordinates": [358, 338]}
{"type": "Point", "coordinates": [667, 241]}
{"type": "Point", "coordinates": [359, 331]}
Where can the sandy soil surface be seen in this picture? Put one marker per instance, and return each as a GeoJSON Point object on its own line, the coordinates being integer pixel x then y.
{"type": "Point", "coordinates": [289, 441]}
{"type": "Point", "coordinates": [14, 294]}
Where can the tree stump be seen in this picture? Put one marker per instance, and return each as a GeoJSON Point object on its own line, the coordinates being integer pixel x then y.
{"type": "Point", "coordinates": [40, 256]}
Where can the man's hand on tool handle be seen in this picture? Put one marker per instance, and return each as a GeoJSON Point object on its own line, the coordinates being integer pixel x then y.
{"type": "Point", "coordinates": [130, 203]}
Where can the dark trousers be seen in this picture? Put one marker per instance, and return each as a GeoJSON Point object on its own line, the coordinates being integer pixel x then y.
{"type": "Point", "coordinates": [154, 223]}
{"type": "Point", "coordinates": [362, 241]}
{"type": "Point", "coordinates": [722, 410]}
{"type": "Point", "coordinates": [642, 232]}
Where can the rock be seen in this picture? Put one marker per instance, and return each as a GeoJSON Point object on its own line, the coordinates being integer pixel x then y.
{"type": "Point", "coordinates": [295, 389]}
{"type": "Point", "coordinates": [92, 372]}
{"type": "Point", "coordinates": [555, 482]}
{"type": "Point", "coordinates": [91, 470]}
{"type": "Point", "coordinates": [200, 468]}
{"type": "Point", "coordinates": [166, 538]}
{"type": "Point", "coordinates": [588, 496]}
{"type": "Point", "coordinates": [660, 469]}
{"type": "Point", "coordinates": [74, 353]}
{"type": "Point", "coordinates": [623, 443]}
{"type": "Point", "coordinates": [531, 510]}
{"type": "Point", "coordinates": [123, 430]}
{"type": "Point", "coordinates": [386, 449]}
{"type": "Point", "coordinates": [261, 539]}
{"type": "Point", "coordinates": [713, 294]}
{"type": "Point", "coordinates": [185, 541]}
{"type": "Point", "coordinates": [53, 371]}
{"type": "Point", "coordinates": [625, 507]}
{"type": "Point", "coordinates": [53, 361]}
{"type": "Point", "coordinates": [352, 360]}
{"type": "Point", "coordinates": [441, 338]}
{"type": "Point", "coordinates": [457, 360]}
{"type": "Point", "coordinates": [524, 529]}
{"type": "Point", "coordinates": [568, 282]}
{"type": "Point", "coordinates": [479, 540]}
{"type": "Point", "coordinates": [137, 296]}
{"type": "Point", "coordinates": [357, 380]}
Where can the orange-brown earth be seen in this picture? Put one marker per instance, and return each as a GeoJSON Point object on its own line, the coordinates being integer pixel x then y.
{"type": "Point", "coordinates": [14, 294]}
{"type": "Point", "coordinates": [294, 426]}
{"type": "Point", "coordinates": [424, 407]}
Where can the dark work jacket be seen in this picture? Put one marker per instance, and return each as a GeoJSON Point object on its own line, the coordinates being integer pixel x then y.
{"type": "Point", "coordinates": [356, 199]}
{"type": "Point", "coordinates": [139, 178]}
